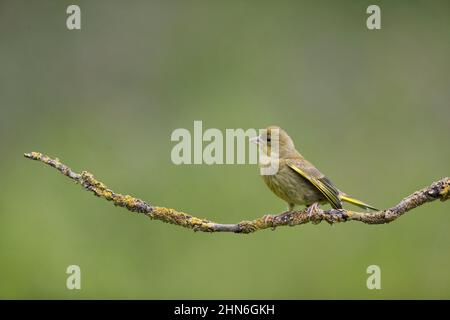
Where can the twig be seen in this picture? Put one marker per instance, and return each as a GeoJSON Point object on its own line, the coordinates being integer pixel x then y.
{"type": "Point", "coordinates": [438, 190]}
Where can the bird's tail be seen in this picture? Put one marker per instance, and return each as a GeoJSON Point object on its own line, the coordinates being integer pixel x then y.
{"type": "Point", "coordinates": [356, 202]}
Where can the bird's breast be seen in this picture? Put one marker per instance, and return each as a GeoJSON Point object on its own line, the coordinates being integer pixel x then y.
{"type": "Point", "coordinates": [291, 187]}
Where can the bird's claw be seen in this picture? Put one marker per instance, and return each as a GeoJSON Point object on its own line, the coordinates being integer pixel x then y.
{"type": "Point", "coordinates": [312, 209]}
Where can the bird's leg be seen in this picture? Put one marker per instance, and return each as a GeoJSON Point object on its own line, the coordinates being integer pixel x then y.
{"type": "Point", "coordinates": [291, 207]}
{"type": "Point", "coordinates": [312, 209]}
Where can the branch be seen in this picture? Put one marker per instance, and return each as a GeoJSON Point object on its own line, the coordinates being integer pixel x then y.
{"type": "Point", "coordinates": [438, 190]}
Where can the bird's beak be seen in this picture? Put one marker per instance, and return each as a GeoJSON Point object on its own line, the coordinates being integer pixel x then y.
{"type": "Point", "coordinates": [256, 140]}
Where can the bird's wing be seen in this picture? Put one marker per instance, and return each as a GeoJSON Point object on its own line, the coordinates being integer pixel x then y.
{"type": "Point", "coordinates": [317, 179]}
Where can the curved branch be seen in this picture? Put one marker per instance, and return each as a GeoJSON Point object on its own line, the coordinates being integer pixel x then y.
{"type": "Point", "coordinates": [438, 190]}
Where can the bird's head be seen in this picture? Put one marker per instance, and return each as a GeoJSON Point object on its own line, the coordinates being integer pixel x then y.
{"type": "Point", "coordinates": [275, 142]}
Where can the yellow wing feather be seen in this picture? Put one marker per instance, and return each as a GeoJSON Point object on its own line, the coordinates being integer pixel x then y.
{"type": "Point", "coordinates": [331, 194]}
{"type": "Point", "coordinates": [356, 202]}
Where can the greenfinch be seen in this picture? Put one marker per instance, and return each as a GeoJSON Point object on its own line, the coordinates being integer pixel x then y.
{"type": "Point", "coordinates": [297, 181]}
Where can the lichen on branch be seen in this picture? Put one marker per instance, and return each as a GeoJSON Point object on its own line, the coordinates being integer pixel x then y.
{"type": "Point", "coordinates": [437, 190]}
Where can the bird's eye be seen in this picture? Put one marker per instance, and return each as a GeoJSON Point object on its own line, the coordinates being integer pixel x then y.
{"type": "Point", "coordinates": [268, 139]}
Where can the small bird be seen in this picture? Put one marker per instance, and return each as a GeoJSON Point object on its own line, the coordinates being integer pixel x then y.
{"type": "Point", "coordinates": [297, 181]}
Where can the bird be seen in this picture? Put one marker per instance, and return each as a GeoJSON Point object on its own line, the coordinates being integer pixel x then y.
{"type": "Point", "coordinates": [297, 181]}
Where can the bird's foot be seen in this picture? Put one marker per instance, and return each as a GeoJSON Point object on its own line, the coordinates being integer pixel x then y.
{"type": "Point", "coordinates": [312, 211]}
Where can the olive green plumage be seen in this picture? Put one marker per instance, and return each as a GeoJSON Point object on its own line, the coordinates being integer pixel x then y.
{"type": "Point", "coordinates": [297, 181]}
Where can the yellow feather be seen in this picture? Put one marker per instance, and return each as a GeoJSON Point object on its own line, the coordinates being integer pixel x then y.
{"type": "Point", "coordinates": [357, 202]}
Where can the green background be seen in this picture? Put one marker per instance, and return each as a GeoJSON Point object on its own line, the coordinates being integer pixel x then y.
{"type": "Point", "coordinates": [369, 108]}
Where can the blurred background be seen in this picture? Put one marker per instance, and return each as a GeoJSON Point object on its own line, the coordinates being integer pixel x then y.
{"type": "Point", "coordinates": [370, 109]}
